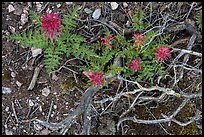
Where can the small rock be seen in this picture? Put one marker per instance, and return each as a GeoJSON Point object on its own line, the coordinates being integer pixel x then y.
{"type": "Point", "coordinates": [7, 33]}
{"type": "Point", "coordinates": [127, 23]}
{"type": "Point", "coordinates": [57, 118]}
{"type": "Point", "coordinates": [13, 74]}
{"type": "Point", "coordinates": [97, 13]}
{"type": "Point", "coordinates": [8, 132]}
{"type": "Point", "coordinates": [45, 132]}
{"type": "Point", "coordinates": [87, 10]}
{"type": "Point", "coordinates": [7, 109]}
{"type": "Point", "coordinates": [11, 8]}
{"type": "Point", "coordinates": [6, 126]}
{"type": "Point", "coordinates": [55, 93]}
{"type": "Point", "coordinates": [30, 102]}
{"type": "Point", "coordinates": [20, 27]}
{"type": "Point", "coordinates": [18, 84]}
{"type": "Point", "coordinates": [38, 6]}
{"type": "Point", "coordinates": [18, 10]}
{"type": "Point", "coordinates": [6, 90]}
{"type": "Point", "coordinates": [29, 4]}
{"type": "Point", "coordinates": [12, 29]}
{"type": "Point", "coordinates": [69, 3]}
{"type": "Point", "coordinates": [14, 128]}
{"type": "Point", "coordinates": [125, 5]}
{"type": "Point", "coordinates": [35, 51]}
{"type": "Point", "coordinates": [114, 5]}
{"type": "Point", "coordinates": [54, 77]}
{"type": "Point", "coordinates": [24, 19]}
{"type": "Point", "coordinates": [55, 106]}
{"type": "Point", "coordinates": [52, 115]}
{"type": "Point", "coordinates": [59, 5]}
{"type": "Point", "coordinates": [40, 108]}
{"type": "Point", "coordinates": [25, 10]}
{"type": "Point", "coordinates": [45, 92]}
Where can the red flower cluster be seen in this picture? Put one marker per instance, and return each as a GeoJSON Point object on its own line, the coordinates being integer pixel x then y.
{"type": "Point", "coordinates": [51, 24]}
{"type": "Point", "coordinates": [162, 52]}
{"type": "Point", "coordinates": [135, 65]}
{"type": "Point", "coordinates": [138, 39]}
{"type": "Point", "coordinates": [96, 79]}
{"type": "Point", "coordinates": [106, 41]}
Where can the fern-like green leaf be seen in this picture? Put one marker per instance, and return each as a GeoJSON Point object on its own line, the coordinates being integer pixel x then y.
{"type": "Point", "coordinates": [69, 21]}
{"type": "Point", "coordinates": [35, 18]}
{"type": "Point", "coordinates": [137, 20]}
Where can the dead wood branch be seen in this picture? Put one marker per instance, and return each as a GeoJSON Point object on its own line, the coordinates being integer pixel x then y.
{"type": "Point", "coordinates": [35, 76]}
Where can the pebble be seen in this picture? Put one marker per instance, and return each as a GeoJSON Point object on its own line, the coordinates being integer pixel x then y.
{"type": "Point", "coordinates": [24, 18]}
{"type": "Point", "coordinates": [54, 77]}
{"type": "Point", "coordinates": [18, 10]}
{"type": "Point", "coordinates": [127, 23]}
{"type": "Point", "coordinates": [97, 13]}
{"type": "Point", "coordinates": [114, 5]}
{"type": "Point", "coordinates": [6, 90]}
{"type": "Point", "coordinates": [40, 108]}
{"type": "Point", "coordinates": [13, 74]}
{"type": "Point", "coordinates": [20, 27]}
{"type": "Point", "coordinates": [19, 84]}
{"type": "Point", "coordinates": [55, 93]}
{"type": "Point", "coordinates": [8, 132]}
{"type": "Point", "coordinates": [52, 115]}
{"type": "Point", "coordinates": [30, 102]}
{"type": "Point", "coordinates": [59, 5]}
{"type": "Point", "coordinates": [87, 10]}
{"type": "Point", "coordinates": [46, 92]}
{"type": "Point", "coordinates": [57, 118]}
{"type": "Point", "coordinates": [69, 3]}
{"type": "Point", "coordinates": [45, 132]}
{"type": "Point", "coordinates": [7, 109]}
{"type": "Point", "coordinates": [11, 8]}
{"type": "Point", "coordinates": [12, 29]}
{"type": "Point", "coordinates": [35, 51]}
{"type": "Point", "coordinates": [29, 4]}
{"type": "Point", "coordinates": [55, 106]}
{"type": "Point", "coordinates": [125, 5]}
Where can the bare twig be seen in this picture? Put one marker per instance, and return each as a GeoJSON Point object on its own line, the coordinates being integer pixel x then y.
{"type": "Point", "coordinates": [44, 7]}
{"type": "Point", "coordinates": [132, 105]}
{"type": "Point", "coordinates": [87, 121]}
{"type": "Point", "coordinates": [14, 112]}
{"type": "Point", "coordinates": [166, 118]}
{"type": "Point", "coordinates": [49, 113]}
{"type": "Point", "coordinates": [187, 51]}
{"type": "Point", "coordinates": [35, 76]}
{"type": "Point", "coordinates": [104, 23]}
{"type": "Point", "coordinates": [66, 123]}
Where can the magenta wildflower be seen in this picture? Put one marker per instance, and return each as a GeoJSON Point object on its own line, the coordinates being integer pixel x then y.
{"type": "Point", "coordinates": [138, 38]}
{"type": "Point", "coordinates": [107, 41]}
{"type": "Point", "coordinates": [96, 79]}
{"type": "Point", "coordinates": [135, 65]}
{"type": "Point", "coordinates": [162, 52]}
{"type": "Point", "coordinates": [51, 24]}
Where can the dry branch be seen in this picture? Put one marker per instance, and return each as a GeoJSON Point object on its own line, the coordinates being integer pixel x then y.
{"type": "Point", "coordinates": [35, 76]}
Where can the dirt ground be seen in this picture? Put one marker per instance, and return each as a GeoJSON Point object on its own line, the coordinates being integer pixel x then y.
{"type": "Point", "coordinates": [22, 106]}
